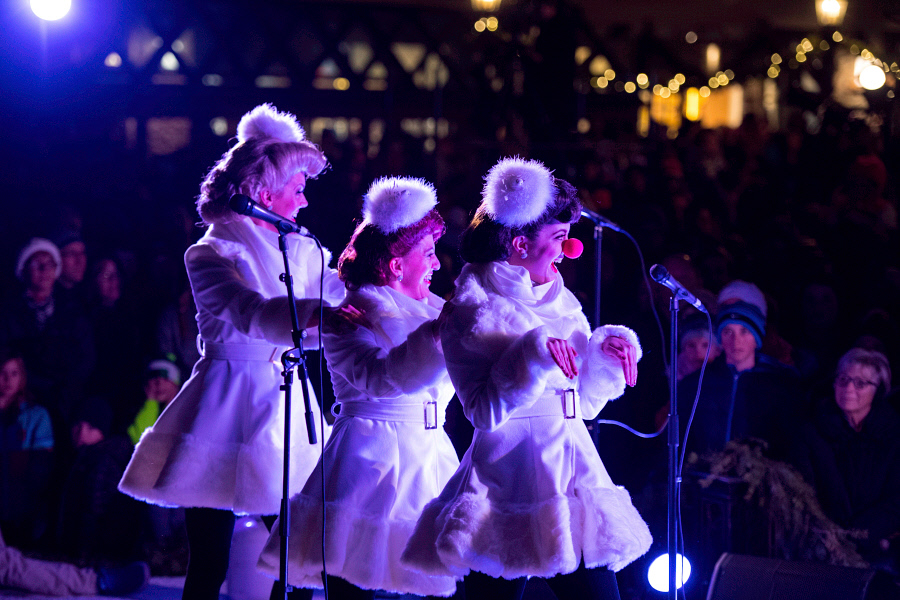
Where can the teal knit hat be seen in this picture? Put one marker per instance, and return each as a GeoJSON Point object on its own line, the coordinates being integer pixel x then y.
{"type": "Point", "coordinates": [742, 313]}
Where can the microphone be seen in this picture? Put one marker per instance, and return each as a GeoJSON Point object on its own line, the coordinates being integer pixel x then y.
{"type": "Point", "coordinates": [661, 275]}
{"type": "Point", "coordinates": [244, 205]}
{"type": "Point", "coordinates": [600, 220]}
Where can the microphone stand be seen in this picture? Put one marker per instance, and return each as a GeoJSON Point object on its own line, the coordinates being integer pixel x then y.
{"type": "Point", "coordinates": [290, 359]}
{"type": "Point", "coordinates": [598, 251]}
{"type": "Point", "coordinates": [674, 431]}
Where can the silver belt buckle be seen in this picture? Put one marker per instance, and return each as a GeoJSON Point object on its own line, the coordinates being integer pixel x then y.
{"type": "Point", "coordinates": [569, 404]}
{"type": "Point", "coordinates": [431, 420]}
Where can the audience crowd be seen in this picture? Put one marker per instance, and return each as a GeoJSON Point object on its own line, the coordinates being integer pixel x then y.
{"type": "Point", "coordinates": [789, 237]}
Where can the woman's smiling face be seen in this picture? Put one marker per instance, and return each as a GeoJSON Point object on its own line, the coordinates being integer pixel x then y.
{"type": "Point", "coordinates": [542, 251]}
{"type": "Point", "coordinates": [416, 268]}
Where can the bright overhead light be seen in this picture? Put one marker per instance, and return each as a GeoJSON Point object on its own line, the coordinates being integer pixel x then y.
{"type": "Point", "coordinates": [658, 573]}
{"type": "Point", "coordinates": [872, 77]}
{"type": "Point", "coordinates": [51, 10]}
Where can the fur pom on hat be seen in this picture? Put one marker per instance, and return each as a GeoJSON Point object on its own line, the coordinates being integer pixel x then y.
{"type": "Point", "coordinates": [265, 121]}
{"type": "Point", "coordinates": [396, 202]}
{"type": "Point", "coordinates": [517, 191]}
{"type": "Point", "coordinates": [34, 246]}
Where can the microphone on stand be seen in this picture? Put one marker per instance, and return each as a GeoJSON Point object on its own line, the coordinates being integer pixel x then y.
{"type": "Point", "coordinates": [600, 220]}
{"type": "Point", "coordinates": [244, 205]}
{"type": "Point", "coordinates": [661, 275]}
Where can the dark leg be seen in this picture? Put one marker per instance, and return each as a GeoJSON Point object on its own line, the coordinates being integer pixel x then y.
{"type": "Point", "coordinates": [341, 589]}
{"type": "Point", "coordinates": [479, 586]}
{"type": "Point", "coordinates": [599, 584]}
{"type": "Point", "coordinates": [209, 534]}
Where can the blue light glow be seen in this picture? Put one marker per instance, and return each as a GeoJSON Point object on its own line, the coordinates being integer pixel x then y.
{"type": "Point", "coordinates": [51, 10]}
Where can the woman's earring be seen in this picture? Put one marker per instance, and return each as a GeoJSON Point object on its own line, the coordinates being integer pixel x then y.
{"type": "Point", "coordinates": [523, 254]}
{"type": "Point", "coordinates": [400, 277]}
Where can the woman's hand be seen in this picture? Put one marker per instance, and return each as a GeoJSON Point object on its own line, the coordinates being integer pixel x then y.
{"type": "Point", "coordinates": [344, 319]}
{"type": "Point", "coordinates": [563, 355]}
{"type": "Point", "coordinates": [626, 354]}
{"type": "Point", "coordinates": [436, 324]}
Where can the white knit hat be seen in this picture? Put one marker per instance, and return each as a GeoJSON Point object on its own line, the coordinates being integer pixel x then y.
{"type": "Point", "coordinates": [265, 121]}
{"type": "Point", "coordinates": [396, 202]}
{"type": "Point", "coordinates": [34, 246]}
{"type": "Point", "coordinates": [517, 191]}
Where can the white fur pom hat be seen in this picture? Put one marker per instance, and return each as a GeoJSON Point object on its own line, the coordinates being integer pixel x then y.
{"type": "Point", "coordinates": [517, 191]}
{"type": "Point", "coordinates": [34, 246]}
{"type": "Point", "coordinates": [396, 202]}
{"type": "Point", "coordinates": [265, 121]}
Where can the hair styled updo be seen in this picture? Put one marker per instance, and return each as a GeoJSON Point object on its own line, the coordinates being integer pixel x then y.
{"type": "Point", "coordinates": [486, 240]}
{"type": "Point", "coordinates": [367, 257]}
{"type": "Point", "coordinates": [251, 166]}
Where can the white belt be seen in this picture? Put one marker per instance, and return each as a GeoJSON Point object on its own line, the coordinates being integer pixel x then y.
{"type": "Point", "coordinates": [422, 412]}
{"type": "Point", "coordinates": [257, 352]}
{"type": "Point", "coordinates": [562, 403]}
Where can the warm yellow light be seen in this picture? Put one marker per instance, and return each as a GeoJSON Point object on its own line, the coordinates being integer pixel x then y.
{"type": "Point", "coordinates": [642, 79]}
{"type": "Point", "coordinates": [584, 125]}
{"type": "Point", "coordinates": [776, 59]}
{"type": "Point", "coordinates": [729, 74]}
{"type": "Point", "coordinates": [692, 104]}
{"type": "Point", "coordinates": [609, 74]}
{"type": "Point", "coordinates": [713, 82]}
{"type": "Point", "coordinates": [690, 37]}
{"type": "Point", "coordinates": [657, 89]}
{"type": "Point", "coordinates": [492, 23]}
{"type": "Point", "coordinates": [836, 36]}
{"type": "Point", "coordinates": [602, 82]}
{"type": "Point", "coordinates": [830, 13]}
{"type": "Point", "coordinates": [630, 87]}
{"type": "Point", "coordinates": [705, 92]}
{"type": "Point", "coordinates": [807, 45]}
{"type": "Point", "coordinates": [800, 57]}
{"type": "Point", "coordinates": [582, 53]}
{"type": "Point", "coordinates": [773, 72]}
{"type": "Point", "coordinates": [872, 77]}
{"type": "Point", "coordinates": [485, 5]}
{"type": "Point", "coordinates": [643, 121]}
{"type": "Point", "coordinates": [680, 78]}
{"type": "Point", "coordinates": [713, 57]}
{"type": "Point", "coordinates": [480, 25]}
{"type": "Point", "coordinates": [665, 92]}
{"type": "Point", "coordinates": [723, 79]}
{"type": "Point", "coordinates": [341, 83]}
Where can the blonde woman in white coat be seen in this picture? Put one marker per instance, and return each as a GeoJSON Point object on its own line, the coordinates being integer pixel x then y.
{"type": "Point", "coordinates": [531, 497]}
{"type": "Point", "coordinates": [217, 449]}
{"type": "Point", "coordinates": [388, 454]}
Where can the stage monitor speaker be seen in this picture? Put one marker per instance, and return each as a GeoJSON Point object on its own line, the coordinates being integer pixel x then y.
{"type": "Point", "coordinates": [738, 577]}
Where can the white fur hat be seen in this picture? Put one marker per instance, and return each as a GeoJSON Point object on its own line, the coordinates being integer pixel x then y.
{"type": "Point", "coordinates": [517, 191]}
{"type": "Point", "coordinates": [395, 202]}
{"type": "Point", "coordinates": [265, 121]}
{"type": "Point", "coordinates": [34, 246]}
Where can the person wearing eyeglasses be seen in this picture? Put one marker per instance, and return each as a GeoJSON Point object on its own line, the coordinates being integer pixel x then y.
{"type": "Point", "coordinates": [850, 453]}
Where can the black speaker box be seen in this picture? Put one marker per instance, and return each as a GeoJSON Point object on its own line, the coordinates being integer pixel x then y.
{"type": "Point", "coordinates": [738, 577]}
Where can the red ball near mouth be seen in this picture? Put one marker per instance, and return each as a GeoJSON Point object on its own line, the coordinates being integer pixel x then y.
{"type": "Point", "coordinates": [572, 248]}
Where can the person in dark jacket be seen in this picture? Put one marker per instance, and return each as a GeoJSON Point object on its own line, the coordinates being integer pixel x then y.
{"type": "Point", "coordinates": [745, 393]}
{"type": "Point", "coordinates": [850, 453]}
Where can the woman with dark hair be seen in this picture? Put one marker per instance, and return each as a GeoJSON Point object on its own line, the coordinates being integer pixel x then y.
{"type": "Point", "coordinates": [850, 454]}
{"type": "Point", "coordinates": [388, 455]}
{"type": "Point", "coordinates": [217, 449]}
{"type": "Point", "coordinates": [531, 497]}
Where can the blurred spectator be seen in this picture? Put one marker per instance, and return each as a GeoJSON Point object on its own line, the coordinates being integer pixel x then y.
{"type": "Point", "coordinates": [162, 382]}
{"type": "Point", "coordinates": [54, 578]}
{"type": "Point", "coordinates": [97, 522]}
{"type": "Point", "coordinates": [52, 333]}
{"type": "Point", "coordinates": [693, 341]}
{"type": "Point", "coordinates": [73, 254]}
{"type": "Point", "coordinates": [177, 331]}
{"type": "Point", "coordinates": [745, 392]}
{"type": "Point", "coordinates": [850, 453]}
{"type": "Point", "coordinates": [26, 444]}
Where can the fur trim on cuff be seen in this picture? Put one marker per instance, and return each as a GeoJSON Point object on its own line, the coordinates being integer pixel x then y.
{"type": "Point", "coordinates": [396, 202]}
{"type": "Point", "coordinates": [602, 375]}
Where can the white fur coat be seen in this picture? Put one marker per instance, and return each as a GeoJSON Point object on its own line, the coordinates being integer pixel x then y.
{"type": "Point", "coordinates": [531, 496]}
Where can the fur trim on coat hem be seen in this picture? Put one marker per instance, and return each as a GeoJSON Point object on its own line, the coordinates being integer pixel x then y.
{"type": "Point", "coordinates": [600, 526]}
{"type": "Point", "coordinates": [361, 548]}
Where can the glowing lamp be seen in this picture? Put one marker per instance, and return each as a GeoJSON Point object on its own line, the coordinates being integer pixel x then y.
{"type": "Point", "coordinates": [51, 10]}
{"type": "Point", "coordinates": [830, 13]}
{"type": "Point", "coordinates": [872, 77]}
{"type": "Point", "coordinates": [572, 247]}
{"type": "Point", "coordinates": [658, 573]}
{"type": "Point", "coordinates": [485, 5]}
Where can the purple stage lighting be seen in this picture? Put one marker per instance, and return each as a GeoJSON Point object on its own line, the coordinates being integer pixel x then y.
{"type": "Point", "coordinates": [51, 10]}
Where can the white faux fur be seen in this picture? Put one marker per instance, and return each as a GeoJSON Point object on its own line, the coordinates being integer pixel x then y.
{"type": "Point", "coordinates": [601, 376]}
{"type": "Point", "coordinates": [265, 121]}
{"type": "Point", "coordinates": [396, 202]}
{"type": "Point", "coordinates": [517, 191]}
